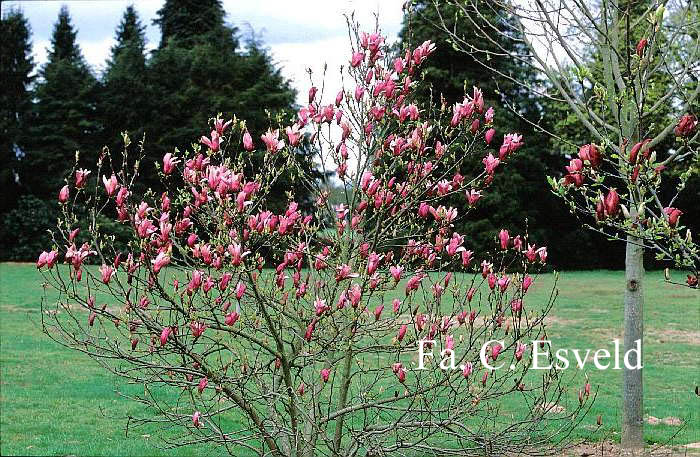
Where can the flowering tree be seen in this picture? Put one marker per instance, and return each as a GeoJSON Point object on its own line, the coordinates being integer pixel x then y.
{"type": "Point", "coordinates": [317, 353]}
{"type": "Point", "coordinates": [621, 69]}
{"type": "Point", "coordinates": [590, 187]}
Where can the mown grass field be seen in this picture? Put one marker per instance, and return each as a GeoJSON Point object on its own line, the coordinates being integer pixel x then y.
{"type": "Point", "coordinates": [54, 401]}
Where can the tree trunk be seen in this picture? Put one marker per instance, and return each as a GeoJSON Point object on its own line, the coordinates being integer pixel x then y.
{"type": "Point", "coordinates": [632, 389]}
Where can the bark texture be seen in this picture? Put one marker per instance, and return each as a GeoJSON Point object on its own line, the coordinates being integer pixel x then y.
{"type": "Point", "coordinates": [632, 387]}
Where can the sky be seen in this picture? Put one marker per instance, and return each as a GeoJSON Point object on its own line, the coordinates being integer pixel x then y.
{"type": "Point", "coordinates": [300, 35]}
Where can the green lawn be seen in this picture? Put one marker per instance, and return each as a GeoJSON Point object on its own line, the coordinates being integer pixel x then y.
{"type": "Point", "coordinates": [56, 401]}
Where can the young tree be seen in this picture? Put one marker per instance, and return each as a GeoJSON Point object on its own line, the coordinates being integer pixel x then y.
{"type": "Point", "coordinates": [518, 200]}
{"type": "Point", "coordinates": [63, 121]}
{"type": "Point", "coordinates": [16, 67]}
{"type": "Point", "coordinates": [316, 355]}
{"type": "Point", "coordinates": [617, 175]}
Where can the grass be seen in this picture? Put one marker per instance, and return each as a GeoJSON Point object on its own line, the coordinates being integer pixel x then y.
{"type": "Point", "coordinates": [54, 401]}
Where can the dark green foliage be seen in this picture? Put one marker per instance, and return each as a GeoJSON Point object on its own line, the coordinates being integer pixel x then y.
{"type": "Point", "coordinates": [16, 65]}
{"type": "Point", "coordinates": [125, 103]}
{"type": "Point", "coordinates": [199, 71]}
{"type": "Point", "coordinates": [193, 22]}
{"type": "Point", "coordinates": [24, 230]}
{"type": "Point", "coordinates": [63, 121]}
{"type": "Point", "coordinates": [519, 198]}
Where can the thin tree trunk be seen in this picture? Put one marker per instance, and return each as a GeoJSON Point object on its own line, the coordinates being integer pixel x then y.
{"type": "Point", "coordinates": [632, 389]}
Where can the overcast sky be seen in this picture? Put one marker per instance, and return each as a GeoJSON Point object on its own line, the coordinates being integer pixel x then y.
{"type": "Point", "coordinates": [299, 34]}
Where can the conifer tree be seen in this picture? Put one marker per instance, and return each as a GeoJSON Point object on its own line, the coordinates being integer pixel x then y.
{"type": "Point", "coordinates": [16, 67]}
{"type": "Point", "coordinates": [200, 70]}
{"type": "Point", "coordinates": [63, 121]}
{"type": "Point", "coordinates": [124, 102]}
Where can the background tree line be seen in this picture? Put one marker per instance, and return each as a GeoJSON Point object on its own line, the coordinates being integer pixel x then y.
{"type": "Point", "coordinates": [202, 67]}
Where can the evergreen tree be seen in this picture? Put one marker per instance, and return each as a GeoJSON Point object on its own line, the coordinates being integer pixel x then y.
{"type": "Point", "coordinates": [199, 70]}
{"type": "Point", "coordinates": [63, 121]}
{"type": "Point", "coordinates": [520, 195]}
{"type": "Point", "coordinates": [16, 66]}
{"type": "Point", "coordinates": [125, 103]}
{"type": "Point", "coordinates": [192, 22]}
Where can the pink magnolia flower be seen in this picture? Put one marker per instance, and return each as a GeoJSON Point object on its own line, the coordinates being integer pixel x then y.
{"type": "Point", "coordinates": [344, 272]}
{"type": "Point", "coordinates": [542, 252]}
{"type": "Point", "coordinates": [196, 419]}
{"type": "Point", "coordinates": [248, 141]}
{"type": "Point", "coordinates": [492, 281]}
{"type": "Point", "coordinates": [373, 263]}
{"type": "Point", "coordinates": [81, 177]}
{"type": "Point", "coordinates": [455, 244]}
{"type": "Point", "coordinates": [503, 282]}
{"type": "Point", "coordinates": [169, 162]}
{"type": "Point", "coordinates": [467, 369]}
{"type": "Point", "coordinates": [107, 273]}
{"type": "Point", "coordinates": [612, 203]}
{"type": "Point", "coordinates": [293, 134]}
{"type": "Point", "coordinates": [575, 175]}
{"type": "Point", "coordinates": [520, 350]}
{"type": "Point", "coordinates": [504, 238]}
{"type": "Point", "coordinates": [202, 385]}
{"type": "Point", "coordinates": [310, 330]}
{"type": "Point", "coordinates": [490, 163]}
{"type": "Point", "coordinates": [220, 126]}
{"type": "Point", "coordinates": [320, 306]}
{"type": "Point", "coordinates": [47, 259]}
{"type": "Point", "coordinates": [272, 141]}
{"type": "Point", "coordinates": [413, 283]}
{"type": "Point", "coordinates": [530, 254]}
{"type": "Point", "coordinates": [231, 318]}
{"type": "Point", "coordinates": [396, 305]}
{"type": "Point", "coordinates": [213, 143]}
{"type": "Point", "coordinates": [399, 371]}
{"type": "Point", "coordinates": [590, 153]}
{"type": "Point", "coordinates": [516, 305]}
{"type": "Point", "coordinates": [686, 125]}
{"type": "Point", "coordinates": [673, 214]}
{"type": "Point", "coordinates": [488, 136]}
{"type": "Point", "coordinates": [312, 93]}
{"type": "Point", "coordinates": [450, 342]}
{"type": "Point", "coordinates": [396, 271]}
{"type": "Point", "coordinates": [240, 290]}
{"type": "Point", "coordinates": [354, 294]}
{"type": "Point", "coordinates": [495, 350]}
{"type": "Point", "coordinates": [161, 260]}
{"type": "Point", "coordinates": [110, 184]}
{"type": "Point", "coordinates": [511, 143]}
{"type": "Point", "coordinates": [402, 332]}
{"type": "Point", "coordinates": [301, 389]}
{"type": "Point", "coordinates": [122, 195]}
{"type": "Point", "coordinates": [164, 335]}
{"type": "Point", "coordinates": [640, 46]}
{"type": "Point", "coordinates": [359, 92]}
{"type": "Point", "coordinates": [527, 282]}
{"type": "Point", "coordinates": [488, 117]}
{"type": "Point", "coordinates": [197, 329]}
{"type": "Point", "coordinates": [339, 98]}
{"type": "Point", "coordinates": [325, 373]}
{"type": "Point", "coordinates": [422, 52]}
{"type": "Point", "coordinates": [64, 194]}
{"type": "Point", "coordinates": [467, 257]}
{"type": "Point", "coordinates": [357, 59]}
{"type": "Point", "coordinates": [378, 312]}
